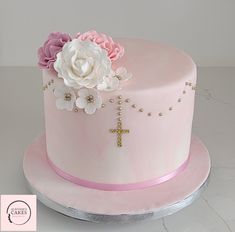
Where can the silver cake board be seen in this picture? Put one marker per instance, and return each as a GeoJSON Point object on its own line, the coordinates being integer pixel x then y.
{"type": "Point", "coordinates": [123, 218]}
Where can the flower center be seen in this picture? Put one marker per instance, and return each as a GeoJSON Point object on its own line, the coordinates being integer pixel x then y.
{"type": "Point", "coordinates": [83, 67]}
{"type": "Point", "coordinates": [90, 99]}
{"type": "Point", "coordinates": [118, 77]}
{"type": "Point", "coordinates": [67, 96]}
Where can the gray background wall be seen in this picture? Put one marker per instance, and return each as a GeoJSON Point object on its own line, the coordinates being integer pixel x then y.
{"type": "Point", "coordinates": [203, 28]}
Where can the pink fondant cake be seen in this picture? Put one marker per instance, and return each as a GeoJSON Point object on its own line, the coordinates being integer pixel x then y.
{"type": "Point", "coordinates": [118, 113]}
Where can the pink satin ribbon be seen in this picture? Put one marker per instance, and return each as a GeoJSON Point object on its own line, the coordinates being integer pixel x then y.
{"type": "Point", "coordinates": [118, 187]}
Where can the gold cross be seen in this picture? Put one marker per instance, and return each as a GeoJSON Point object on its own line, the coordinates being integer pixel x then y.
{"type": "Point", "coordinates": [119, 132]}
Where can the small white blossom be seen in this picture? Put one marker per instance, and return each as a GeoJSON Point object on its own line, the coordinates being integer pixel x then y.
{"type": "Point", "coordinates": [65, 97]}
{"type": "Point", "coordinates": [122, 74]}
{"type": "Point", "coordinates": [110, 83]}
{"type": "Point", "coordinates": [89, 100]}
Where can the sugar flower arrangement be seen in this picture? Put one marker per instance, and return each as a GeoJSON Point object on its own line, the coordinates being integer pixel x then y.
{"type": "Point", "coordinates": [85, 65]}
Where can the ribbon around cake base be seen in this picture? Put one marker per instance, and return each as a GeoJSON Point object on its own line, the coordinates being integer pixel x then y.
{"type": "Point", "coordinates": [118, 187]}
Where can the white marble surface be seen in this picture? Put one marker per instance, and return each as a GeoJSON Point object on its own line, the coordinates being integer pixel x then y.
{"type": "Point", "coordinates": [21, 120]}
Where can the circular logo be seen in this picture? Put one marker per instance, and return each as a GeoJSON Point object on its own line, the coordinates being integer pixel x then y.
{"type": "Point", "coordinates": [18, 212]}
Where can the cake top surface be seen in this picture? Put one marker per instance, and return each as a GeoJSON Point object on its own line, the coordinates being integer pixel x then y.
{"type": "Point", "coordinates": [153, 64]}
{"type": "Point", "coordinates": [91, 63]}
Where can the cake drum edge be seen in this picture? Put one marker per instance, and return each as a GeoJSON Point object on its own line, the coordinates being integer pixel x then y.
{"type": "Point", "coordinates": [121, 218]}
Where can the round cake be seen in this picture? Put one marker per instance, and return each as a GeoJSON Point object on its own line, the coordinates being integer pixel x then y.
{"type": "Point", "coordinates": [118, 112]}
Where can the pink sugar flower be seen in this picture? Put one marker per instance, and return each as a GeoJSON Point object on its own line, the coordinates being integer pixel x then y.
{"type": "Point", "coordinates": [47, 53]}
{"type": "Point", "coordinates": [114, 50]}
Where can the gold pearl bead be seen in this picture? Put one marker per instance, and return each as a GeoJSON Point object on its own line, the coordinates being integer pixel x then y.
{"type": "Point", "coordinates": [119, 102]}
{"type": "Point", "coordinates": [119, 108]}
{"type": "Point", "coordinates": [103, 105]}
{"type": "Point", "coordinates": [141, 110]}
{"type": "Point", "coordinates": [119, 113]}
{"type": "Point", "coordinates": [119, 78]}
{"type": "Point", "coordinates": [149, 114]}
{"type": "Point", "coordinates": [184, 92]}
{"type": "Point", "coordinates": [75, 109]}
{"type": "Point", "coordinates": [170, 108]}
{"type": "Point", "coordinates": [160, 114]}
{"type": "Point", "coordinates": [111, 100]}
{"type": "Point", "coordinates": [190, 84]}
{"type": "Point", "coordinates": [179, 100]}
{"type": "Point", "coordinates": [119, 119]}
{"type": "Point", "coordinates": [127, 100]}
{"type": "Point", "coordinates": [119, 97]}
{"type": "Point", "coordinates": [133, 106]}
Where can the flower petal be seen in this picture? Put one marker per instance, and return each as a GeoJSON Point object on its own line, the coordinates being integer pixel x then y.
{"type": "Point", "coordinates": [60, 103]}
{"type": "Point", "coordinates": [93, 92]}
{"type": "Point", "coordinates": [69, 105]}
{"type": "Point", "coordinates": [90, 108]}
{"type": "Point", "coordinates": [102, 86]}
{"type": "Point", "coordinates": [121, 71]}
{"type": "Point", "coordinates": [128, 76]}
{"type": "Point", "coordinates": [98, 102]}
{"type": "Point", "coordinates": [110, 84]}
{"type": "Point", "coordinates": [59, 91]}
{"type": "Point", "coordinates": [83, 92]}
{"type": "Point", "coordinates": [81, 102]}
{"type": "Point", "coordinates": [57, 63]}
{"type": "Point", "coordinates": [123, 74]}
{"type": "Point", "coordinates": [114, 83]}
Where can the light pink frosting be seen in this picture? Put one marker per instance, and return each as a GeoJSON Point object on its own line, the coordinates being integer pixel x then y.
{"type": "Point", "coordinates": [82, 145]}
{"type": "Point", "coordinates": [114, 50]}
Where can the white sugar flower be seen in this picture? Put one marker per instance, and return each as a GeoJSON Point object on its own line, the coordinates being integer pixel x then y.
{"type": "Point", "coordinates": [65, 97]}
{"type": "Point", "coordinates": [89, 100]}
{"type": "Point", "coordinates": [82, 64]}
{"type": "Point", "coordinates": [112, 81]}
{"type": "Point", "coordinates": [122, 74]}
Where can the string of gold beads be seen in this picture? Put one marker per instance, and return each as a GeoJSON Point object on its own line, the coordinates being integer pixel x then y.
{"type": "Point", "coordinates": [48, 84]}
{"type": "Point", "coordinates": [120, 101]}
{"type": "Point", "coordinates": [160, 114]}
{"type": "Point", "coordinates": [119, 109]}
